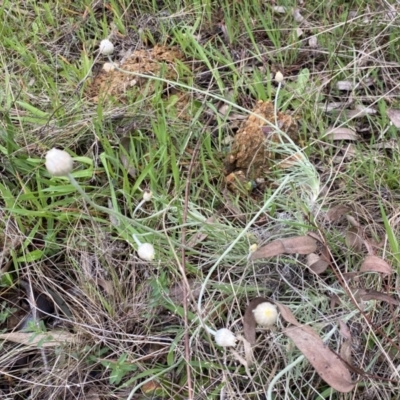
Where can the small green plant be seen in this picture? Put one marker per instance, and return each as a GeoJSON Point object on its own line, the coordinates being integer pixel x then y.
{"type": "Point", "coordinates": [119, 369]}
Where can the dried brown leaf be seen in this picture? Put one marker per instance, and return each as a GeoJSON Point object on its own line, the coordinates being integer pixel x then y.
{"type": "Point", "coordinates": [248, 351]}
{"type": "Point", "coordinates": [249, 322]}
{"type": "Point", "coordinates": [270, 250]}
{"type": "Point", "coordinates": [316, 263]}
{"type": "Point", "coordinates": [345, 351]}
{"type": "Point", "coordinates": [375, 264]}
{"type": "Point", "coordinates": [152, 388]}
{"type": "Point", "coordinates": [336, 212]}
{"type": "Point", "coordinates": [287, 315]}
{"type": "Point", "coordinates": [293, 245]}
{"type": "Point", "coordinates": [352, 221]}
{"type": "Point", "coordinates": [394, 116]}
{"type": "Point", "coordinates": [334, 300]}
{"type": "Point", "coordinates": [353, 239]}
{"type": "Point", "coordinates": [344, 330]}
{"type": "Point", "coordinates": [366, 295]}
{"type": "Point", "coordinates": [360, 111]}
{"type": "Point", "coordinates": [341, 134]}
{"type": "Point", "coordinates": [327, 364]}
{"type": "Point", "coordinates": [350, 276]}
{"type": "Point", "coordinates": [299, 245]}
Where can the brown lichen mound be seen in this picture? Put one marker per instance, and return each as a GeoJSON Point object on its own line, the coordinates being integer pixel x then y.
{"type": "Point", "coordinates": [250, 159]}
{"type": "Point", "coordinates": [158, 61]}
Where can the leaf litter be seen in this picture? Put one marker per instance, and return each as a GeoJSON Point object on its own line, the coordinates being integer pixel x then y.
{"type": "Point", "coordinates": [326, 363]}
{"type": "Point", "coordinates": [292, 245]}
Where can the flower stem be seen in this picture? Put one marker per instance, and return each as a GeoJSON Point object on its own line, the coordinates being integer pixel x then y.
{"type": "Point", "coordinates": [276, 103]}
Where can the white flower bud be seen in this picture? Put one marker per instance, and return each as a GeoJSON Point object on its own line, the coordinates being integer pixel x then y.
{"type": "Point", "coordinates": [59, 162]}
{"type": "Point", "coordinates": [279, 77]}
{"type": "Point", "coordinates": [106, 47]}
{"type": "Point", "coordinates": [253, 248]}
{"type": "Point", "coordinates": [265, 314]}
{"type": "Point", "coordinates": [108, 67]}
{"type": "Point", "coordinates": [147, 195]}
{"type": "Point", "coordinates": [146, 252]}
{"type": "Point", "coordinates": [225, 338]}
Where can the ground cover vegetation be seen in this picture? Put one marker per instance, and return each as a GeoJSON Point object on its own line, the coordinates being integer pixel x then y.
{"type": "Point", "coordinates": [253, 145]}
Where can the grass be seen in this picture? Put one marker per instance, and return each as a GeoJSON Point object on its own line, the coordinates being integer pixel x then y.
{"type": "Point", "coordinates": [136, 328]}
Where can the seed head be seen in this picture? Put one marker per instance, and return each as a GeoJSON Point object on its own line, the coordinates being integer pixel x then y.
{"type": "Point", "coordinates": [146, 252]}
{"type": "Point", "coordinates": [279, 77]}
{"type": "Point", "coordinates": [59, 162]}
{"type": "Point", "coordinates": [265, 314]}
{"type": "Point", "coordinates": [106, 47]}
{"type": "Point", "coordinates": [225, 338]}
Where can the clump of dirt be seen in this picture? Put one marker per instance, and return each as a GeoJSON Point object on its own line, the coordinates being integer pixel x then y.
{"type": "Point", "coordinates": [111, 82]}
{"type": "Point", "coordinates": [250, 159]}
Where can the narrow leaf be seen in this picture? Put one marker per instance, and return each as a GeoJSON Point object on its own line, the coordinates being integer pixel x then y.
{"type": "Point", "coordinates": [249, 322]}
{"type": "Point", "coordinates": [341, 134]}
{"type": "Point", "coordinates": [394, 116]}
{"type": "Point", "coordinates": [293, 245]}
{"type": "Point", "coordinates": [327, 364]}
{"type": "Point", "coordinates": [376, 264]}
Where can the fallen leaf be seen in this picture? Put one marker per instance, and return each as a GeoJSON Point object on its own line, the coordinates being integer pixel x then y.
{"type": "Point", "coordinates": [335, 105]}
{"type": "Point", "coordinates": [292, 245]}
{"type": "Point", "coordinates": [353, 239]}
{"type": "Point", "coordinates": [360, 111]}
{"type": "Point", "coordinates": [316, 263]}
{"type": "Point", "coordinates": [344, 330]}
{"type": "Point", "coordinates": [299, 245]}
{"type": "Point", "coordinates": [336, 212]}
{"type": "Point", "coordinates": [350, 276]}
{"type": "Point", "coordinates": [334, 300]}
{"type": "Point", "coordinates": [270, 250]}
{"type": "Point", "coordinates": [249, 322]}
{"type": "Point", "coordinates": [352, 221]}
{"type": "Point", "coordinates": [152, 388]}
{"type": "Point", "coordinates": [366, 295]}
{"type": "Point", "coordinates": [287, 315]}
{"type": "Point", "coordinates": [345, 351]}
{"type": "Point", "coordinates": [248, 350]}
{"type": "Point", "coordinates": [394, 116]}
{"type": "Point", "coordinates": [375, 264]}
{"type": "Point", "coordinates": [327, 364]}
{"type": "Point", "coordinates": [341, 134]}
